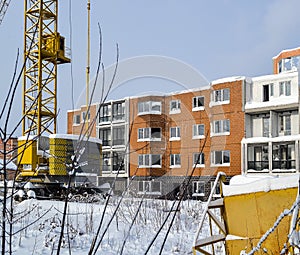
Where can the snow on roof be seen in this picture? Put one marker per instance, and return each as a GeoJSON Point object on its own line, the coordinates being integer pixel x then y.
{"type": "Point", "coordinates": [246, 184]}
{"type": "Point", "coordinates": [282, 101]}
{"type": "Point", "coordinates": [200, 88]}
{"type": "Point", "coordinates": [10, 165]}
{"type": "Point", "coordinates": [27, 137]}
{"type": "Point", "coordinates": [75, 137]}
{"type": "Point", "coordinates": [286, 50]}
{"type": "Point", "coordinates": [278, 139]}
{"type": "Point", "coordinates": [228, 79]}
{"type": "Point", "coordinates": [269, 77]}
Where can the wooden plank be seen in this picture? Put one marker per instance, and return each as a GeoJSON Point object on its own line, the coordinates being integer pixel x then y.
{"type": "Point", "coordinates": [210, 240]}
{"type": "Point", "coordinates": [217, 221]}
{"type": "Point", "coordinates": [216, 203]}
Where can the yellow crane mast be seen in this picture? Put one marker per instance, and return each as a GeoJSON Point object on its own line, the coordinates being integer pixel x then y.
{"type": "Point", "coordinates": [44, 49]}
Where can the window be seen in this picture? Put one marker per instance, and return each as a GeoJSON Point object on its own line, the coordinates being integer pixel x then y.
{"type": "Point", "coordinates": [271, 85]}
{"type": "Point", "coordinates": [284, 156]}
{"type": "Point", "coordinates": [285, 88]}
{"type": "Point", "coordinates": [266, 126]}
{"type": "Point", "coordinates": [287, 64]}
{"type": "Point", "coordinates": [174, 133]}
{"type": "Point", "coordinates": [118, 111]}
{"type": "Point", "coordinates": [198, 188]}
{"type": "Point", "coordinates": [265, 93]}
{"type": "Point", "coordinates": [150, 187]}
{"type": "Point", "coordinates": [76, 119]}
{"type": "Point", "coordinates": [118, 136]}
{"type": "Point", "coordinates": [198, 131]}
{"type": "Point", "coordinates": [118, 161]}
{"type": "Point", "coordinates": [149, 107]}
{"type": "Point", "coordinates": [84, 116]}
{"type": "Point", "coordinates": [221, 95]}
{"type": "Point", "coordinates": [220, 158]}
{"type": "Point", "coordinates": [285, 124]}
{"type": "Point", "coordinates": [198, 159]}
{"type": "Point", "coordinates": [106, 162]}
{"type": "Point", "coordinates": [198, 103]}
{"type": "Point", "coordinates": [221, 127]}
{"type": "Point", "coordinates": [104, 113]}
{"type": "Point", "coordinates": [175, 160]}
{"type": "Point", "coordinates": [175, 106]}
{"type": "Point", "coordinates": [258, 157]}
{"type": "Point", "coordinates": [149, 134]}
{"type": "Point", "coordinates": [105, 136]}
{"type": "Point", "coordinates": [217, 192]}
{"type": "Point", "coordinates": [149, 160]}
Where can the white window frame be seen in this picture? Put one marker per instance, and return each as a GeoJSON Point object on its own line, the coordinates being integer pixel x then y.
{"type": "Point", "coordinates": [148, 187]}
{"type": "Point", "coordinates": [284, 120]}
{"type": "Point", "coordinates": [201, 159]}
{"type": "Point", "coordinates": [222, 126]}
{"type": "Point", "coordinates": [76, 119]}
{"type": "Point", "coordinates": [147, 134]}
{"type": "Point", "coordinates": [177, 134]}
{"type": "Point", "coordinates": [174, 163]}
{"type": "Point", "coordinates": [199, 185]}
{"type": "Point", "coordinates": [218, 189]}
{"type": "Point", "coordinates": [223, 154]}
{"type": "Point", "coordinates": [196, 105]}
{"type": "Point", "coordinates": [222, 99]}
{"type": "Point", "coordinates": [285, 88]}
{"type": "Point", "coordinates": [105, 113]}
{"type": "Point", "coordinates": [107, 161]}
{"type": "Point", "coordinates": [118, 111]}
{"type": "Point", "coordinates": [146, 160]}
{"type": "Point", "coordinates": [176, 109]}
{"type": "Point", "coordinates": [196, 134]}
{"type": "Point", "coordinates": [147, 107]}
{"type": "Point", "coordinates": [83, 116]}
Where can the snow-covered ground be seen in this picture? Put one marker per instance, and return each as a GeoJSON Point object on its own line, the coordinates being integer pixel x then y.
{"type": "Point", "coordinates": [83, 220]}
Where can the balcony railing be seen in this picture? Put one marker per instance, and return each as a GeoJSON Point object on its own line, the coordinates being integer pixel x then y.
{"type": "Point", "coordinates": [284, 164]}
{"type": "Point", "coordinates": [276, 164]}
{"type": "Point", "coordinates": [258, 165]}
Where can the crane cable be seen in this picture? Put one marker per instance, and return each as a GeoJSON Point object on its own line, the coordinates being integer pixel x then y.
{"type": "Point", "coordinates": [3, 8]}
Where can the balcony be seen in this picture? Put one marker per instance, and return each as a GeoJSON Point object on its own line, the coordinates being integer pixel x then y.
{"type": "Point", "coordinates": [284, 164]}
{"type": "Point", "coordinates": [258, 165]}
{"type": "Point", "coordinates": [276, 164]}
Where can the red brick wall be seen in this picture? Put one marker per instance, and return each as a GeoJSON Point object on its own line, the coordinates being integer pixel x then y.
{"type": "Point", "coordinates": [76, 129]}
{"type": "Point", "coordinates": [284, 54]}
{"type": "Point", "coordinates": [187, 145]}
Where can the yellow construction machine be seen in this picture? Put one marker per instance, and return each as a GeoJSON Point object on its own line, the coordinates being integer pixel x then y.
{"type": "Point", "coordinates": [46, 158]}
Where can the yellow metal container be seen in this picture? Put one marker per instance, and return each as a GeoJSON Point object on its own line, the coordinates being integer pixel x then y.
{"type": "Point", "coordinates": [250, 210]}
{"type": "Point", "coordinates": [64, 147]}
{"type": "Point", "coordinates": [27, 153]}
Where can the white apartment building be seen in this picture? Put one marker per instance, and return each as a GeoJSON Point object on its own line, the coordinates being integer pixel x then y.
{"type": "Point", "coordinates": [112, 128]}
{"type": "Point", "coordinates": [271, 141]}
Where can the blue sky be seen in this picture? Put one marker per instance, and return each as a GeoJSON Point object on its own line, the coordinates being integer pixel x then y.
{"type": "Point", "coordinates": [218, 38]}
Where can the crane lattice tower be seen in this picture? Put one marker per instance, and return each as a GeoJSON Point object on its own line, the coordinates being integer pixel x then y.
{"type": "Point", "coordinates": [44, 50]}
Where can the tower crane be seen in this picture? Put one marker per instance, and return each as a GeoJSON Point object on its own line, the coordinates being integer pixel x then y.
{"type": "Point", "coordinates": [44, 50]}
{"type": "Point", "coordinates": [44, 156]}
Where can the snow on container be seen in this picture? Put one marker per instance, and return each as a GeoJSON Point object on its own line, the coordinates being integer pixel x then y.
{"type": "Point", "coordinates": [251, 207]}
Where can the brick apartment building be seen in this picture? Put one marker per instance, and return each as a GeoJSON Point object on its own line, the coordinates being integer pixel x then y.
{"type": "Point", "coordinates": [236, 125]}
{"type": "Point", "coordinates": [161, 140]}
{"type": "Point", "coordinates": [11, 157]}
